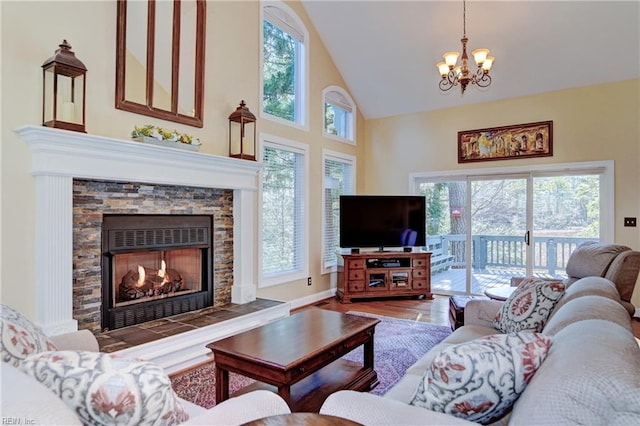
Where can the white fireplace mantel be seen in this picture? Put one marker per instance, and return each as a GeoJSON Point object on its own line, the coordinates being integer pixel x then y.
{"type": "Point", "coordinates": [59, 156]}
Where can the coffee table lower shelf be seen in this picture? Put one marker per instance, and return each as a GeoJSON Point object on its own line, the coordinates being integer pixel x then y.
{"type": "Point", "coordinates": [309, 394]}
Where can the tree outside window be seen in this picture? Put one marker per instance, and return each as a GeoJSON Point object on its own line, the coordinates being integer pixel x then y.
{"type": "Point", "coordinates": [338, 113]}
{"type": "Point", "coordinates": [283, 64]}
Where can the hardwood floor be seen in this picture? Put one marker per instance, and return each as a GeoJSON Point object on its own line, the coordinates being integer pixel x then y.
{"type": "Point", "coordinates": [434, 311]}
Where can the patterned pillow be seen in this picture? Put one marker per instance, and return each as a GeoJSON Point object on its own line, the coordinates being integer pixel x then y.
{"type": "Point", "coordinates": [529, 306]}
{"type": "Point", "coordinates": [479, 380]}
{"type": "Point", "coordinates": [19, 337]}
{"type": "Point", "coordinates": [108, 390]}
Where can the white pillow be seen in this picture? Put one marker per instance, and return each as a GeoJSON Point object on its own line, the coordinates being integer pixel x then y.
{"type": "Point", "coordinates": [529, 306]}
{"type": "Point", "coordinates": [19, 337]}
{"type": "Point", "coordinates": [480, 380]}
{"type": "Point", "coordinates": [108, 390]}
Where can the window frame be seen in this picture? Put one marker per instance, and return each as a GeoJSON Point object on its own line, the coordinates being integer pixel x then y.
{"type": "Point", "coordinates": [345, 159]}
{"type": "Point", "coordinates": [301, 68]}
{"type": "Point", "coordinates": [302, 271]}
{"type": "Point", "coordinates": [351, 125]}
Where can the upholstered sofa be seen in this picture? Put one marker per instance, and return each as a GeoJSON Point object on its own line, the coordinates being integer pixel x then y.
{"type": "Point", "coordinates": [591, 373]}
{"type": "Point", "coordinates": [25, 400]}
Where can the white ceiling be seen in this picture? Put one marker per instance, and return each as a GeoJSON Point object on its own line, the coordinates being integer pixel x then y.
{"type": "Point", "coordinates": [386, 51]}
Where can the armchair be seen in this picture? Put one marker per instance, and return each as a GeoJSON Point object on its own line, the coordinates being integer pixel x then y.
{"type": "Point", "coordinates": [617, 263]}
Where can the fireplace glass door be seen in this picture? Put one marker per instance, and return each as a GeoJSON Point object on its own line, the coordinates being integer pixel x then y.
{"type": "Point", "coordinates": [149, 275]}
{"type": "Point", "coordinates": [158, 266]}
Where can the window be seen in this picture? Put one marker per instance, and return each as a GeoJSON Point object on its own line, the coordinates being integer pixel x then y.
{"type": "Point", "coordinates": [284, 218]}
{"type": "Point", "coordinates": [339, 112]}
{"type": "Point", "coordinates": [339, 179]}
{"type": "Point", "coordinates": [284, 64]}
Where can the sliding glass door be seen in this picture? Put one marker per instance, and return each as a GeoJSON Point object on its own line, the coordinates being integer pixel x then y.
{"type": "Point", "coordinates": [498, 237]}
{"type": "Point", "coordinates": [566, 212]}
{"type": "Point", "coordinates": [484, 229]}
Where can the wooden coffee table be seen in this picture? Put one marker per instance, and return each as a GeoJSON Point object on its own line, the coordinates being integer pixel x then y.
{"type": "Point", "coordinates": [298, 357]}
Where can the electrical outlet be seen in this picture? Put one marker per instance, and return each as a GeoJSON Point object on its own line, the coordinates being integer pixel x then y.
{"type": "Point", "coordinates": [309, 281]}
{"type": "Point", "coordinates": [630, 221]}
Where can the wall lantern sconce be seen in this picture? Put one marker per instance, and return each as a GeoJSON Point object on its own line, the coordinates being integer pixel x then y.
{"type": "Point", "coordinates": [63, 90]}
{"type": "Point", "coordinates": [242, 133]}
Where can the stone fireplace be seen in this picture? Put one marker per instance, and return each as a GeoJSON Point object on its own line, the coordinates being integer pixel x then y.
{"type": "Point", "coordinates": [122, 232]}
{"type": "Point", "coordinates": [62, 160]}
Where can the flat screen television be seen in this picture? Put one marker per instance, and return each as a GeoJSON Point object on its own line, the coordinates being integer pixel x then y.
{"type": "Point", "coordinates": [382, 221]}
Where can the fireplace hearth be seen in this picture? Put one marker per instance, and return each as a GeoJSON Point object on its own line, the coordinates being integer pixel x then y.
{"type": "Point", "coordinates": [155, 266]}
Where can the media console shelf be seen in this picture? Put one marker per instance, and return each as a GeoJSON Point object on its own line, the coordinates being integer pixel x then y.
{"type": "Point", "coordinates": [384, 274]}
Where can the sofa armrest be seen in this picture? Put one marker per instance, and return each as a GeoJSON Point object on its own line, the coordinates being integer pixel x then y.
{"type": "Point", "coordinates": [81, 340]}
{"type": "Point", "coordinates": [26, 401]}
{"type": "Point", "coordinates": [481, 312]}
{"type": "Point", "coordinates": [243, 409]}
{"type": "Point", "coordinates": [368, 409]}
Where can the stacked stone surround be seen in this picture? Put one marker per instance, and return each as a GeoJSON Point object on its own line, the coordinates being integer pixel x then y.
{"type": "Point", "coordinates": [92, 199]}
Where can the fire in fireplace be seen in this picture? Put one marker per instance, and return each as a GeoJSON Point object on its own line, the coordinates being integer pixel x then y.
{"type": "Point", "coordinates": [139, 282]}
{"type": "Point", "coordinates": [155, 266]}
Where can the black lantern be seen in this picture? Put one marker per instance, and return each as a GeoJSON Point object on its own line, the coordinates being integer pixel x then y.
{"type": "Point", "coordinates": [242, 133]}
{"type": "Point", "coordinates": [63, 90]}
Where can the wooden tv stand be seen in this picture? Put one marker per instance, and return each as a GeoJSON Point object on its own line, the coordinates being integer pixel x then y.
{"type": "Point", "coordinates": [384, 274]}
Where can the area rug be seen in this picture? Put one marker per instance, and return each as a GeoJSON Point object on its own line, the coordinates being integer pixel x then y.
{"type": "Point", "coordinates": [398, 344]}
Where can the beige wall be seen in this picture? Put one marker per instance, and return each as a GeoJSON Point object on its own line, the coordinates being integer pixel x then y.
{"type": "Point", "coordinates": [589, 124]}
{"type": "Point", "coordinates": [31, 32]}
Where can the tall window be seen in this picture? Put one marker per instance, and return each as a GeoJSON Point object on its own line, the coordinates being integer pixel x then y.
{"type": "Point", "coordinates": [284, 218]}
{"type": "Point", "coordinates": [339, 179]}
{"type": "Point", "coordinates": [284, 61]}
{"type": "Point", "coordinates": [339, 114]}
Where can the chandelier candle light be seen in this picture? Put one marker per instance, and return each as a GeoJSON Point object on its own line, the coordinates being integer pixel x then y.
{"type": "Point", "coordinates": [453, 74]}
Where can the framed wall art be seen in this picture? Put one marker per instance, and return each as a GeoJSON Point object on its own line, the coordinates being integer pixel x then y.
{"type": "Point", "coordinates": [506, 142]}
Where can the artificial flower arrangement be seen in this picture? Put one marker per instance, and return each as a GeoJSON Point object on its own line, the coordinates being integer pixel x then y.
{"type": "Point", "coordinates": [161, 134]}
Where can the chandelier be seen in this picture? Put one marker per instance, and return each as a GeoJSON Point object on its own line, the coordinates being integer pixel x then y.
{"type": "Point", "coordinates": [454, 74]}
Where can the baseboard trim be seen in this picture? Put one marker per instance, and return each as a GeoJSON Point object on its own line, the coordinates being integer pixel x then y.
{"type": "Point", "coordinates": [308, 300]}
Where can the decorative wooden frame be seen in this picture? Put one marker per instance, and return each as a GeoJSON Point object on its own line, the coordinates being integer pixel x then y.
{"type": "Point", "coordinates": [148, 108]}
{"type": "Point", "coordinates": [506, 142]}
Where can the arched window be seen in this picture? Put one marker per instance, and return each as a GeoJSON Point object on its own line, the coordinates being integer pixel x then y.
{"type": "Point", "coordinates": [339, 112]}
{"type": "Point", "coordinates": [284, 64]}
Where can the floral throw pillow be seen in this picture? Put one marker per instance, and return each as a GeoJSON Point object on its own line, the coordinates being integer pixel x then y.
{"type": "Point", "coordinates": [480, 380]}
{"type": "Point", "coordinates": [20, 337]}
{"type": "Point", "coordinates": [104, 389]}
{"type": "Point", "coordinates": [529, 306]}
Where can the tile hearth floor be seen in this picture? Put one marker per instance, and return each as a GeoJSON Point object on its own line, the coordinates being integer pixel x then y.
{"type": "Point", "coordinates": [134, 335]}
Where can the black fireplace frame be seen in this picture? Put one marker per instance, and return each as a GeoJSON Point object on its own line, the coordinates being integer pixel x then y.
{"type": "Point", "coordinates": [122, 233]}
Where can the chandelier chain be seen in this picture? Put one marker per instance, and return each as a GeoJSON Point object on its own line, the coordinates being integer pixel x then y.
{"type": "Point", "coordinates": [464, 18]}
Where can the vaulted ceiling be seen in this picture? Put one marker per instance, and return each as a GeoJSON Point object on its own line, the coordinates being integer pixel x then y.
{"type": "Point", "coordinates": [386, 51]}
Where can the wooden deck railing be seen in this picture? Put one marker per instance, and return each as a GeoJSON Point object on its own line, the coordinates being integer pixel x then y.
{"type": "Point", "coordinates": [549, 253]}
